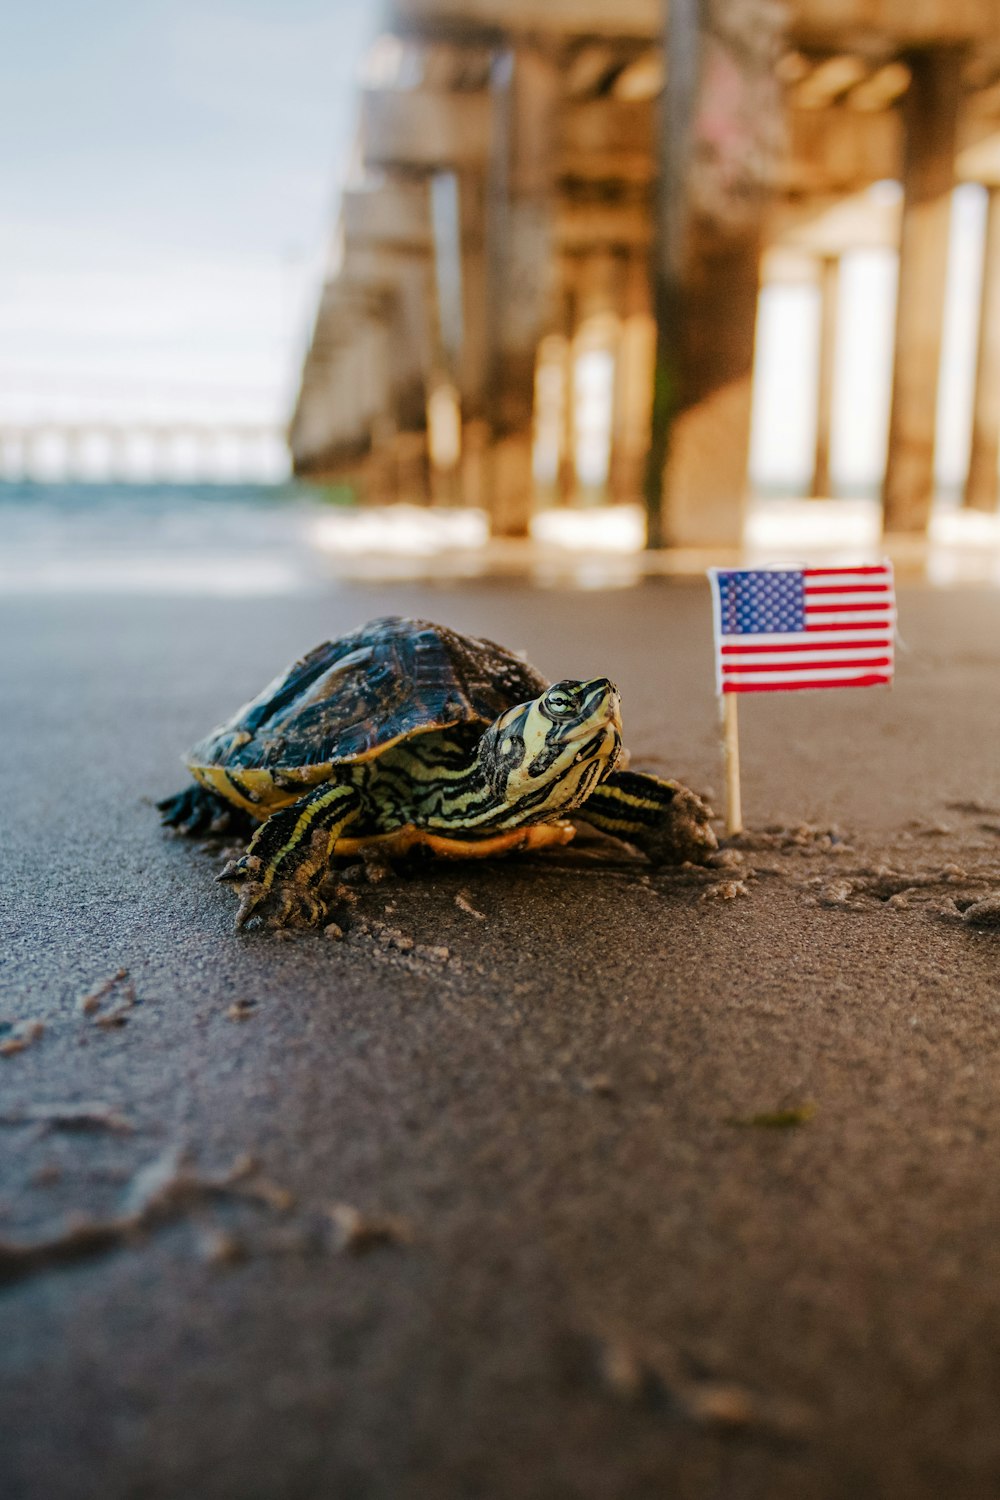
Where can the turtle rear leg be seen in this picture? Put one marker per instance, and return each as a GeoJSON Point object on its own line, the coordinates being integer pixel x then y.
{"type": "Point", "coordinates": [197, 810]}
{"type": "Point", "coordinates": [667, 821]}
{"type": "Point", "coordinates": [286, 860]}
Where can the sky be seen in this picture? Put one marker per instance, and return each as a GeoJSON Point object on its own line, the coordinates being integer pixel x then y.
{"type": "Point", "coordinates": [167, 191]}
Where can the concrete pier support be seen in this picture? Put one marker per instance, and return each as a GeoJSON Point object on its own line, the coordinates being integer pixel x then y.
{"type": "Point", "coordinates": [473, 348]}
{"type": "Point", "coordinates": [930, 121]}
{"type": "Point", "coordinates": [411, 466]}
{"type": "Point", "coordinates": [411, 359]}
{"type": "Point", "coordinates": [982, 487]}
{"type": "Point", "coordinates": [344, 423]}
{"type": "Point", "coordinates": [399, 361]}
{"type": "Point", "coordinates": [633, 382]}
{"type": "Point", "coordinates": [520, 271]}
{"type": "Point", "coordinates": [566, 476]}
{"type": "Point", "coordinates": [717, 144]}
{"type": "Point", "coordinates": [829, 298]}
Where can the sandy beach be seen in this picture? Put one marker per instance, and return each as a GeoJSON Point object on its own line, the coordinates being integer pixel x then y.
{"type": "Point", "coordinates": [559, 1177]}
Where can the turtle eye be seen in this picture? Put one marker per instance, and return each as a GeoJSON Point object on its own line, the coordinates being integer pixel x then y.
{"type": "Point", "coordinates": [560, 703]}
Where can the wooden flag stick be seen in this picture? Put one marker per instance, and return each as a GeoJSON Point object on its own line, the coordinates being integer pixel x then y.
{"type": "Point", "coordinates": [731, 747]}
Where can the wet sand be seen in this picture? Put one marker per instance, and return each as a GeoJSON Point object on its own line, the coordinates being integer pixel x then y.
{"type": "Point", "coordinates": [663, 1183]}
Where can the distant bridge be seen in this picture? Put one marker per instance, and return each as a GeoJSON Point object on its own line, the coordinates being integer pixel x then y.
{"type": "Point", "coordinates": [137, 449]}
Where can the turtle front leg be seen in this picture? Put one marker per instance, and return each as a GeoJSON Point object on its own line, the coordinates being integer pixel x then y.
{"type": "Point", "coordinates": [287, 857]}
{"type": "Point", "coordinates": [667, 821]}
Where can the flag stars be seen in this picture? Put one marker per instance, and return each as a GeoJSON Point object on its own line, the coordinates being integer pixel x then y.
{"type": "Point", "coordinates": [761, 602]}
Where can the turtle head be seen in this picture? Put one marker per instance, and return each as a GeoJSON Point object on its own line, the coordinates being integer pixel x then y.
{"type": "Point", "coordinates": [549, 754]}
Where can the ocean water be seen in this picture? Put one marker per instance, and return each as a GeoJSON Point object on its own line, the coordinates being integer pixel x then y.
{"type": "Point", "coordinates": [164, 539]}
{"type": "Point", "coordinates": [290, 538]}
{"type": "Point", "coordinates": [221, 540]}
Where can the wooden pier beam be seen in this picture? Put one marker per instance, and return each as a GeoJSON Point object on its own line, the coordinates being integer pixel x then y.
{"type": "Point", "coordinates": [718, 138]}
{"type": "Point", "coordinates": [402, 278]}
{"type": "Point", "coordinates": [458, 201]}
{"type": "Point", "coordinates": [566, 481]}
{"type": "Point", "coordinates": [345, 383]}
{"type": "Point", "coordinates": [829, 299]}
{"type": "Point", "coordinates": [633, 382]}
{"type": "Point", "coordinates": [520, 271]}
{"type": "Point", "coordinates": [412, 346]}
{"type": "Point", "coordinates": [982, 486]}
{"type": "Point", "coordinates": [930, 126]}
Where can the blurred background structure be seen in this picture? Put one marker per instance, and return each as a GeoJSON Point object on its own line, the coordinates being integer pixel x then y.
{"type": "Point", "coordinates": [557, 210]}
{"type": "Point", "coordinates": [610, 272]}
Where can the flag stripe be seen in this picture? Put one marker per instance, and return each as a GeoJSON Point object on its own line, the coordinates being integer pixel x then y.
{"type": "Point", "coordinates": [805, 682]}
{"type": "Point", "coordinates": [846, 624]}
{"type": "Point", "coordinates": [810, 640]}
{"type": "Point", "coordinates": [846, 588]}
{"type": "Point", "coordinates": [779, 643]}
{"type": "Point", "coordinates": [814, 598]}
{"type": "Point", "coordinates": [821, 673]}
{"type": "Point", "coordinates": [862, 606]}
{"type": "Point", "coordinates": [802, 663]}
{"type": "Point", "coordinates": [866, 570]}
{"type": "Point", "coordinates": [749, 667]}
{"type": "Point", "coordinates": [814, 658]}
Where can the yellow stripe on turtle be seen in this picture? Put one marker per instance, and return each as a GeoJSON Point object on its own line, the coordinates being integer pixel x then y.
{"type": "Point", "coordinates": [302, 825]}
{"type": "Point", "coordinates": [265, 796]}
{"type": "Point", "coordinates": [401, 840]}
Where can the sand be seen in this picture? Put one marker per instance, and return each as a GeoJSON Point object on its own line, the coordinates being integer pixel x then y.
{"type": "Point", "coordinates": [553, 1178]}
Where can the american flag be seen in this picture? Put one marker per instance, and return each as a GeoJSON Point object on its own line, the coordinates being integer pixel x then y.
{"type": "Point", "coordinates": [779, 629]}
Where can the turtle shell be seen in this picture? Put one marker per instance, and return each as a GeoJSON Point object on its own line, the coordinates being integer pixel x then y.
{"type": "Point", "coordinates": [349, 699]}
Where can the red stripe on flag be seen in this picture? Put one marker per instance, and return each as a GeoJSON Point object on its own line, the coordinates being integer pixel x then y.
{"type": "Point", "coordinates": [788, 666]}
{"type": "Point", "coordinates": [790, 687]}
{"type": "Point", "coordinates": [848, 588]}
{"type": "Point", "coordinates": [832, 609]}
{"type": "Point", "coordinates": [847, 625]}
{"type": "Point", "coordinates": [879, 568]}
{"type": "Point", "coordinates": [807, 646]}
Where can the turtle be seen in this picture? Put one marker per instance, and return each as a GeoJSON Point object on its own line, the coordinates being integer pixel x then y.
{"type": "Point", "coordinates": [404, 733]}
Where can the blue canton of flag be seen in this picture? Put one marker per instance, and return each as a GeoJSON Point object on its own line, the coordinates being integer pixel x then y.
{"type": "Point", "coordinates": [754, 602]}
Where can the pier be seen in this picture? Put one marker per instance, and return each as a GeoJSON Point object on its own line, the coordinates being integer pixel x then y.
{"type": "Point", "coordinates": [548, 261]}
